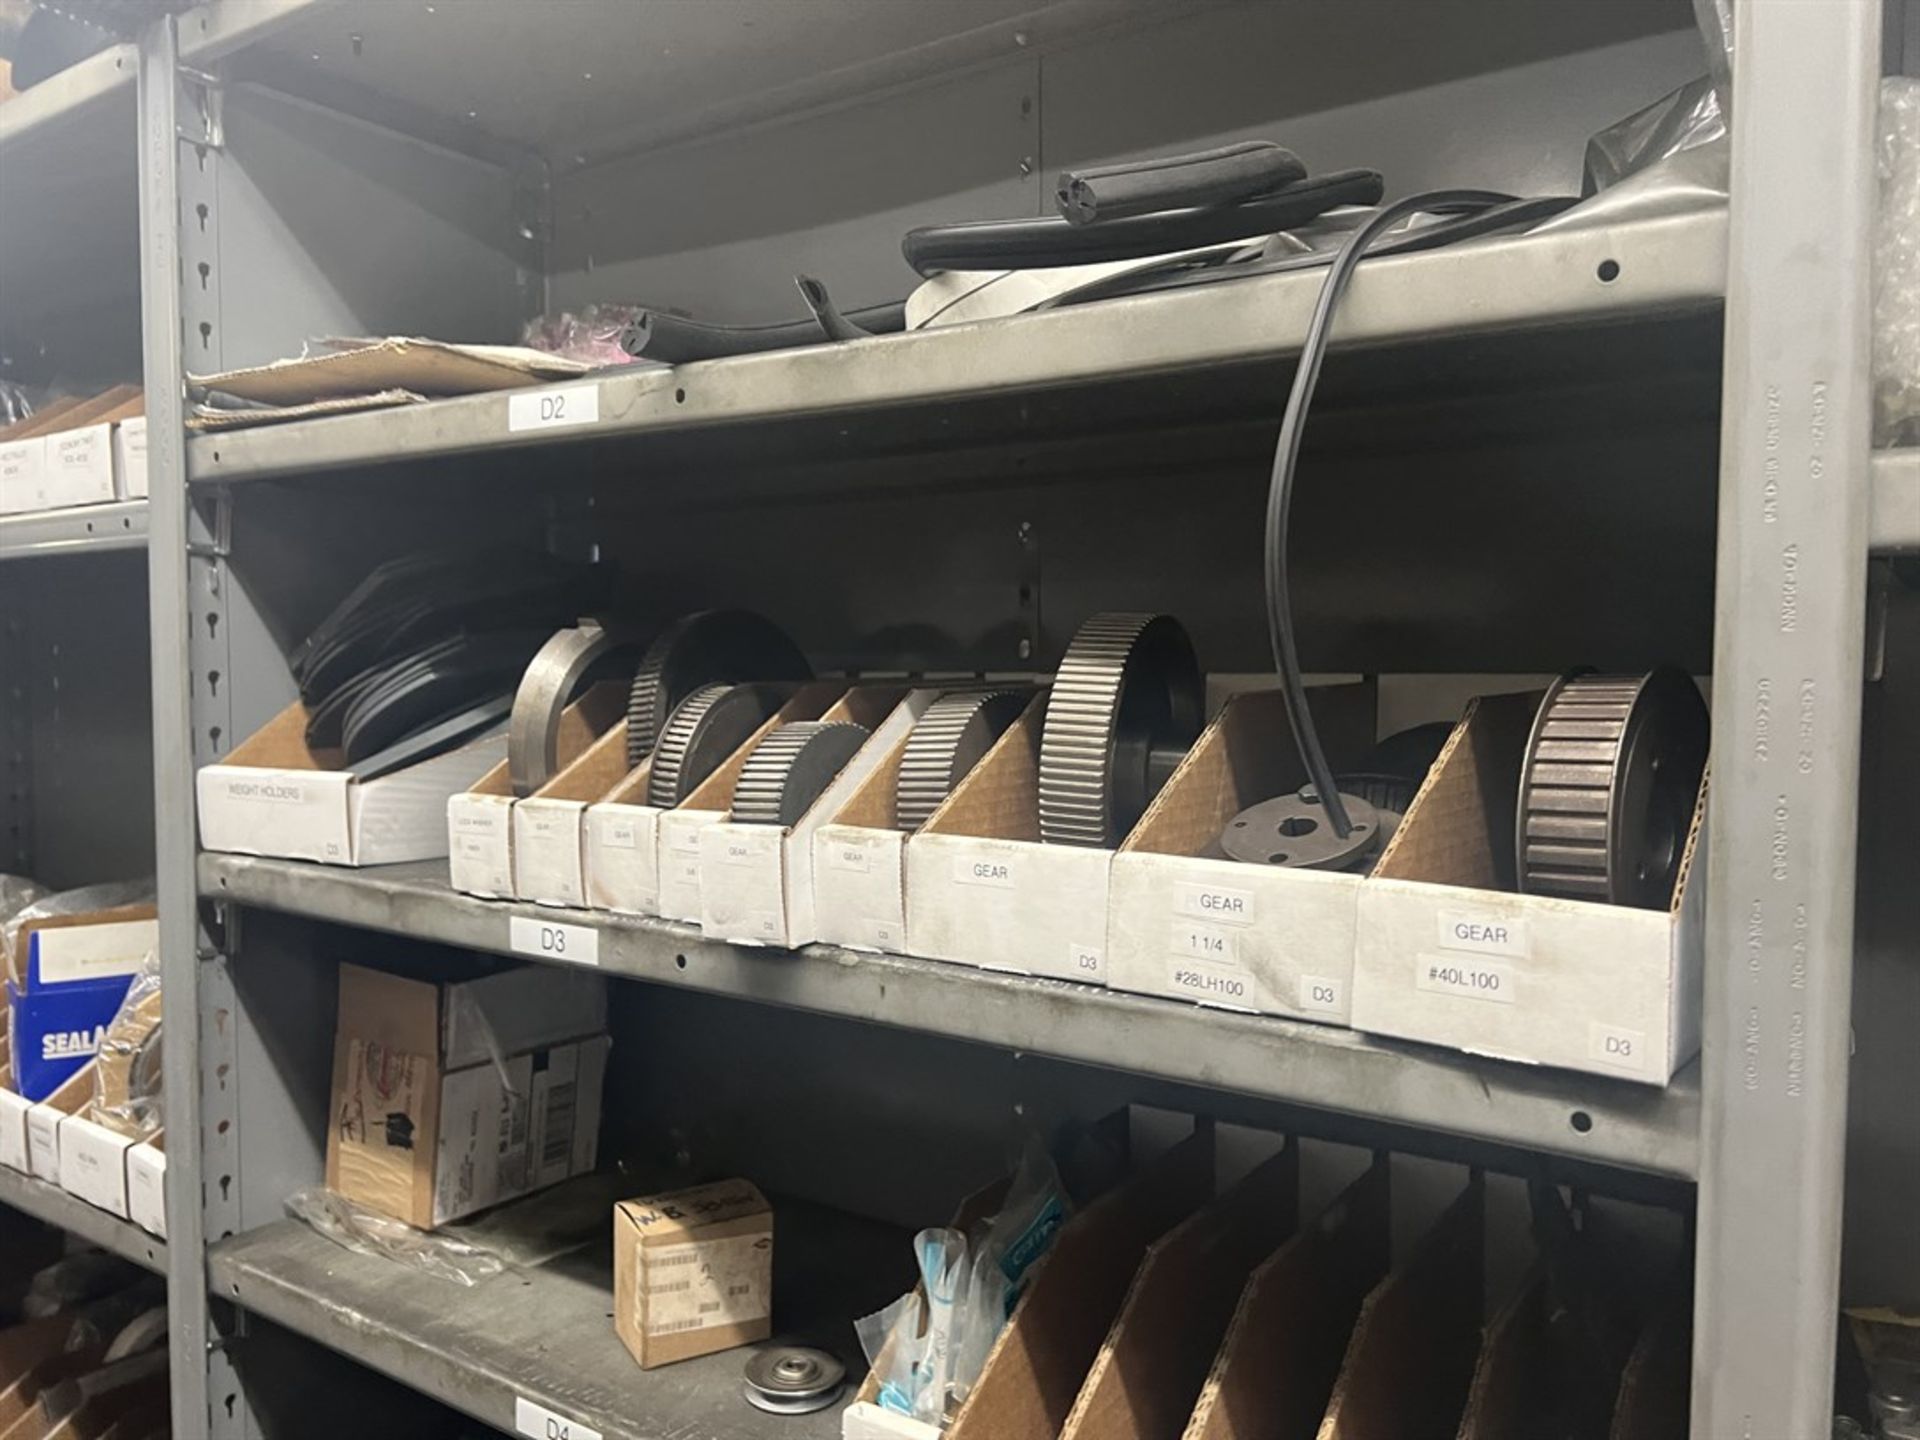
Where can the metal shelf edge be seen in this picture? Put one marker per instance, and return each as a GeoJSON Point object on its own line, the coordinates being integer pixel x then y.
{"type": "Point", "coordinates": [40, 113]}
{"type": "Point", "coordinates": [88, 528]}
{"type": "Point", "coordinates": [1321, 1067]}
{"type": "Point", "coordinates": [1896, 502]}
{"type": "Point", "coordinates": [70, 1213]}
{"type": "Point", "coordinates": [1661, 266]}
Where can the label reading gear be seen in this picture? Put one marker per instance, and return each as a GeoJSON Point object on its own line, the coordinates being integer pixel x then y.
{"type": "Point", "coordinates": [553, 409]}
{"type": "Point", "coordinates": [1216, 903]}
{"type": "Point", "coordinates": [994, 870]}
{"type": "Point", "coordinates": [550, 940]}
{"type": "Point", "coordinates": [540, 1423]}
{"type": "Point", "coordinates": [1483, 934]}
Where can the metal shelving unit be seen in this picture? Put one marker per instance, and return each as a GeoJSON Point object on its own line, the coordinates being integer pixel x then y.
{"type": "Point", "coordinates": [259, 124]}
{"type": "Point", "coordinates": [55, 1206]}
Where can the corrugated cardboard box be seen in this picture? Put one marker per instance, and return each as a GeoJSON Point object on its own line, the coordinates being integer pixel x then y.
{"type": "Point", "coordinates": [453, 1095]}
{"type": "Point", "coordinates": [692, 1271]}
{"type": "Point", "coordinates": [1448, 953]}
{"type": "Point", "coordinates": [1190, 924]}
{"type": "Point", "coordinates": [65, 981]}
{"type": "Point", "coordinates": [274, 796]}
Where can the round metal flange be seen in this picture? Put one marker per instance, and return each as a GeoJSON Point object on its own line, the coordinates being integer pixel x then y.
{"type": "Point", "coordinates": [1293, 830]}
{"type": "Point", "coordinates": [704, 729]}
{"type": "Point", "coordinates": [946, 743]}
{"type": "Point", "coordinates": [793, 1380]}
{"type": "Point", "coordinates": [704, 649]}
{"type": "Point", "coordinates": [555, 674]}
{"type": "Point", "coordinates": [1608, 788]}
{"type": "Point", "coordinates": [1127, 701]}
{"type": "Point", "coordinates": [789, 769]}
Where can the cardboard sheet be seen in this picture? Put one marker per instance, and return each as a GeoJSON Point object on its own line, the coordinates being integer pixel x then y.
{"type": "Point", "coordinates": [360, 367]}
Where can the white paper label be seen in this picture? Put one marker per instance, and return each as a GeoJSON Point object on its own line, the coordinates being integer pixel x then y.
{"type": "Point", "coordinates": [547, 940]}
{"type": "Point", "coordinates": [991, 870]}
{"type": "Point", "coordinates": [1220, 984]}
{"type": "Point", "coordinates": [1317, 992]}
{"type": "Point", "coordinates": [749, 846]}
{"type": "Point", "coordinates": [884, 934]}
{"type": "Point", "coordinates": [1087, 962]}
{"type": "Point", "coordinates": [1617, 1046]}
{"type": "Point", "coordinates": [683, 840]}
{"type": "Point", "coordinates": [542, 1424]}
{"type": "Point", "coordinates": [853, 858]}
{"type": "Point", "coordinates": [95, 952]}
{"type": "Point", "coordinates": [708, 1283]}
{"type": "Point", "coordinates": [553, 409]}
{"type": "Point", "coordinates": [1471, 979]}
{"type": "Point", "coordinates": [1191, 941]}
{"type": "Point", "coordinates": [1483, 934]}
{"type": "Point", "coordinates": [1212, 902]}
{"type": "Point", "coordinates": [619, 835]}
{"type": "Point", "coordinates": [277, 790]}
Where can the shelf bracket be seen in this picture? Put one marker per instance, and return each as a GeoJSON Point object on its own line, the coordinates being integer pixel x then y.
{"type": "Point", "coordinates": [201, 119]}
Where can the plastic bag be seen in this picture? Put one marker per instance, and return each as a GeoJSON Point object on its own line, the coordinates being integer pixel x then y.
{"type": "Point", "coordinates": [1684, 119]}
{"type": "Point", "coordinates": [16, 893]}
{"type": "Point", "coordinates": [1005, 1247]}
{"type": "Point", "coordinates": [126, 1075]}
{"type": "Point", "coordinates": [591, 336]}
{"type": "Point", "coordinates": [369, 1233]}
{"type": "Point", "coordinates": [1896, 267]}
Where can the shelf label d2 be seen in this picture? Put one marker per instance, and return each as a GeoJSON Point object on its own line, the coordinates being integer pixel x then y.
{"type": "Point", "coordinates": [550, 940]}
{"type": "Point", "coordinates": [540, 1423]}
{"type": "Point", "coordinates": [553, 409]}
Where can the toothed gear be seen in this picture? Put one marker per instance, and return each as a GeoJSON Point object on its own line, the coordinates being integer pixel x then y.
{"type": "Point", "coordinates": [946, 743]}
{"type": "Point", "coordinates": [707, 727]}
{"type": "Point", "coordinates": [1127, 702]}
{"type": "Point", "coordinates": [1608, 788]}
{"type": "Point", "coordinates": [705, 648]}
{"type": "Point", "coordinates": [791, 767]}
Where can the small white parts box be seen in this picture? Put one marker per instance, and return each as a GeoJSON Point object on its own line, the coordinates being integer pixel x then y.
{"type": "Point", "coordinates": [983, 890]}
{"type": "Point", "coordinates": [480, 835]}
{"type": "Point", "coordinates": [274, 796]}
{"type": "Point", "coordinates": [130, 458]}
{"type": "Point", "coordinates": [860, 866]}
{"type": "Point", "coordinates": [13, 1131]}
{"type": "Point", "coordinates": [623, 848]}
{"type": "Point", "coordinates": [93, 1164]}
{"type": "Point", "coordinates": [79, 466]}
{"type": "Point", "coordinates": [1260, 938]}
{"type": "Point", "coordinates": [678, 865]}
{"type": "Point", "coordinates": [147, 1186]}
{"type": "Point", "coordinates": [23, 466]}
{"type": "Point", "coordinates": [1448, 954]}
{"type": "Point", "coordinates": [549, 826]}
{"type": "Point", "coordinates": [756, 881]}
{"type": "Point", "coordinates": [44, 1121]}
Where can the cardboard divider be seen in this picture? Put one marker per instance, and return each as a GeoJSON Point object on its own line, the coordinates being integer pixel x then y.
{"type": "Point", "coordinates": [756, 881]}
{"type": "Point", "coordinates": [1411, 1359]}
{"type": "Point", "coordinates": [272, 795]}
{"type": "Point", "coordinates": [983, 890]}
{"type": "Point", "coordinates": [1514, 1380]}
{"type": "Point", "coordinates": [1151, 1368]}
{"type": "Point", "coordinates": [1035, 1370]}
{"type": "Point", "coordinates": [859, 864]}
{"type": "Point", "coordinates": [679, 828]}
{"type": "Point", "coordinates": [1655, 1386]}
{"type": "Point", "coordinates": [1276, 1367]}
{"type": "Point", "coordinates": [1448, 953]}
{"type": "Point", "coordinates": [1189, 923]}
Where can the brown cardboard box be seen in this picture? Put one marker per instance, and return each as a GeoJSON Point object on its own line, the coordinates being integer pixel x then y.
{"type": "Point", "coordinates": [1411, 1359]}
{"type": "Point", "coordinates": [1148, 1374]}
{"type": "Point", "coordinates": [1035, 1370]}
{"type": "Point", "coordinates": [418, 1101]}
{"type": "Point", "coordinates": [692, 1271]}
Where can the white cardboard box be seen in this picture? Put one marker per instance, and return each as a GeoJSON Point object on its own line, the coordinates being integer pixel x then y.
{"type": "Point", "coordinates": [983, 890]}
{"type": "Point", "coordinates": [623, 847]}
{"type": "Point", "coordinates": [274, 796]}
{"type": "Point", "coordinates": [130, 458]}
{"type": "Point", "coordinates": [93, 1164]}
{"type": "Point", "coordinates": [147, 1185]}
{"type": "Point", "coordinates": [480, 848]}
{"type": "Point", "coordinates": [23, 465]}
{"type": "Point", "coordinates": [1266, 939]}
{"type": "Point", "coordinates": [43, 1123]}
{"type": "Point", "coordinates": [549, 826]}
{"type": "Point", "coordinates": [13, 1131]}
{"type": "Point", "coordinates": [1448, 954]}
{"type": "Point", "coordinates": [860, 865]}
{"type": "Point", "coordinates": [79, 466]}
{"type": "Point", "coordinates": [679, 866]}
{"type": "Point", "coordinates": [756, 881]}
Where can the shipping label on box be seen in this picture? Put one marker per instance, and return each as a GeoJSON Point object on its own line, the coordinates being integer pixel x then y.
{"type": "Point", "coordinates": [93, 1164]}
{"type": "Point", "coordinates": [79, 466]}
{"type": "Point", "coordinates": [693, 1271]}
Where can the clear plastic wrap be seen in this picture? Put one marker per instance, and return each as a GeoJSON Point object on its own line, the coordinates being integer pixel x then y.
{"type": "Point", "coordinates": [112, 896]}
{"type": "Point", "coordinates": [1896, 267]}
{"type": "Point", "coordinates": [126, 1077]}
{"type": "Point", "coordinates": [369, 1233]}
{"type": "Point", "coordinates": [16, 893]}
{"type": "Point", "coordinates": [591, 336]}
{"type": "Point", "coordinates": [1681, 120]}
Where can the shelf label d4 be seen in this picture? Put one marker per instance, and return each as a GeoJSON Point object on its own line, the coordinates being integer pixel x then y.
{"type": "Point", "coordinates": [540, 1423]}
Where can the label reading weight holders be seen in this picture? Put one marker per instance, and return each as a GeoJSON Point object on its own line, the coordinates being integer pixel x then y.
{"type": "Point", "coordinates": [541, 1423]}
{"type": "Point", "coordinates": [553, 409]}
{"type": "Point", "coordinates": [546, 940]}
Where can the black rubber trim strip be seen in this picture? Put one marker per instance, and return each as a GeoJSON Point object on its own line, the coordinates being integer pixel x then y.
{"type": "Point", "coordinates": [1226, 175]}
{"type": "Point", "coordinates": [1048, 242]}
{"type": "Point", "coordinates": [676, 340]}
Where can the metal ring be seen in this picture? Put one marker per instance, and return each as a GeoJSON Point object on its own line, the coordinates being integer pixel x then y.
{"type": "Point", "coordinates": [533, 730]}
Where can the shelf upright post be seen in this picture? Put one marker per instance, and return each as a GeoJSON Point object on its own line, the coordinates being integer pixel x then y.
{"type": "Point", "coordinates": [1789, 637]}
{"type": "Point", "coordinates": [169, 608]}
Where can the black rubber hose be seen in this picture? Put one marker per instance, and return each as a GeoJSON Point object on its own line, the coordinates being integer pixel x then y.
{"type": "Point", "coordinates": [1286, 456]}
{"type": "Point", "coordinates": [1223, 176]}
{"type": "Point", "coordinates": [1044, 243]}
{"type": "Point", "coordinates": [676, 340]}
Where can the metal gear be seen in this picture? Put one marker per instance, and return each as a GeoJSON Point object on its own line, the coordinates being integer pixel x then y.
{"type": "Point", "coordinates": [1293, 830]}
{"type": "Point", "coordinates": [1608, 788]}
{"type": "Point", "coordinates": [705, 728]}
{"type": "Point", "coordinates": [1126, 704]}
{"type": "Point", "coordinates": [791, 767]}
{"type": "Point", "coordinates": [703, 649]}
{"type": "Point", "coordinates": [793, 1380]}
{"type": "Point", "coordinates": [559, 671]}
{"type": "Point", "coordinates": [946, 743]}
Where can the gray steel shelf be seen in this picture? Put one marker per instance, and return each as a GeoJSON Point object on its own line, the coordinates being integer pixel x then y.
{"type": "Point", "coordinates": [41, 112]}
{"type": "Point", "coordinates": [1317, 1066]}
{"type": "Point", "coordinates": [1896, 502]}
{"type": "Point", "coordinates": [55, 1206]}
{"type": "Point", "coordinates": [546, 1334]}
{"type": "Point", "coordinates": [88, 528]}
{"type": "Point", "coordinates": [1668, 265]}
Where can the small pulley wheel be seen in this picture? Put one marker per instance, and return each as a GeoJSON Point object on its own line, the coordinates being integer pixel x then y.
{"type": "Point", "coordinates": [1294, 831]}
{"type": "Point", "coordinates": [793, 1380]}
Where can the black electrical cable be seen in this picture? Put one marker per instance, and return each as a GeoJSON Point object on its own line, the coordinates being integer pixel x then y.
{"type": "Point", "coordinates": [1286, 456]}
